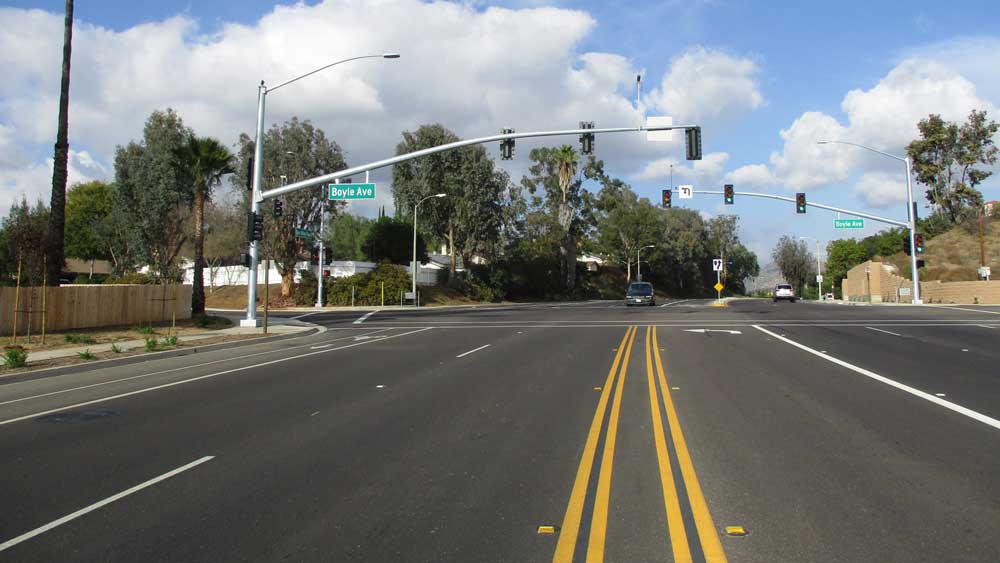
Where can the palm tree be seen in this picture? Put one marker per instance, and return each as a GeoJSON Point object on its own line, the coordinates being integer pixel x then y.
{"type": "Point", "coordinates": [209, 160]}
{"type": "Point", "coordinates": [60, 165]}
{"type": "Point", "coordinates": [566, 163]}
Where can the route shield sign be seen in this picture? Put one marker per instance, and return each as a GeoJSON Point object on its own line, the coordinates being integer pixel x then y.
{"type": "Point", "coordinates": [849, 223]}
{"type": "Point", "coordinates": [687, 192]}
{"type": "Point", "coordinates": [717, 264]}
{"type": "Point", "coordinates": [352, 191]}
{"type": "Point", "coordinates": [718, 286]}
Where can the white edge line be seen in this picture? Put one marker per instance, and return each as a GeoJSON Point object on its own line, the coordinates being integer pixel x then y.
{"type": "Point", "coordinates": [987, 326]}
{"type": "Point", "coordinates": [41, 530]}
{"type": "Point", "coordinates": [364, 317]}
{"type": "Point", "coordinates": [206, 376]}
{"type": "Point", "coordinates": [973, 310]}
{"type": "Point", "coordinates": [472, 351]}
{"type": "Point", "coordinates": [916, 392]}
{"type": "Point", "coordinates": [161, 372]}
{"type": "Point", "coordinates": [880, 330]}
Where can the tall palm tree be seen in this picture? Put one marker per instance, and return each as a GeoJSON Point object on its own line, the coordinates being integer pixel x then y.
{"type": "Point", "coordinates": [60, 166]}
{"type": "Point", "coordinates": [209, 160]}
{"type": "Point", "coordinates": [567, 160]}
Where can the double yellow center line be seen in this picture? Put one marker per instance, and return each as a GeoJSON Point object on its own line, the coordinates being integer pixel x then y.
{"type": "Point", "coordinates": [708, 537]}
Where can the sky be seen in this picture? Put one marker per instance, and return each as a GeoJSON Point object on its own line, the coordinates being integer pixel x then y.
{"type": "Point", "coordinates": [765, 80]}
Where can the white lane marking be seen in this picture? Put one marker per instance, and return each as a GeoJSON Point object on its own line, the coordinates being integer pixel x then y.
{"type": "Point", "coordinates": [380, 386]}
{"type": "Point", "coordinates": [880, 330]}
{"type": "Point", "coordinates": [472, 351]}
{"type": "Point", "coordinates": [675, 302]}
{"type": "Point", "coordinates": [882, 379]}
{"type": "Point", "coordinates": [364, 317]}
{"type": "Point", "coordinates": [320, 347]}
{"type": "Point", "coordinates": [987, 326]}
{"type": "Point", "coordinates": [704, 330]}
{"type": "Point", "coordinates": [973, 310]}
{"type": "Point", "coordinates": [41, 530]}
{"type": "Point", "coordinates": [939, 394]}
{"type": "Point", "coordinates": [179, 369]}
{"type": "Point", "coordinates": [304, 316]}
{"type": "Point", "coordinates": [200, 377]}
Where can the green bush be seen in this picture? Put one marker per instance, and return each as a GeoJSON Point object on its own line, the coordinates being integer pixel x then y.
{"type": "Point", "coordinates": [86, 355]}
{"type": "Point", "coordinates": [15, 357]}
{"type": "Point", "coordinates": [305, 291]}
{"type": "Point", "coordinates": [143, 329]}
{"type": "Point", "coordinates": [484, 283]}
{"type": "Point", "coordinates": [151, 344]}
{"type": "Point", "coordinates": [169, 341]}
{"type": "Point", "coordinates": [75, 338]}
{"type": "Point", "coordinates": [130, 278]}
{"type": "Point", "coordinates": [369, 287]}
{"type": "Point", "coordinates": [116, 349]}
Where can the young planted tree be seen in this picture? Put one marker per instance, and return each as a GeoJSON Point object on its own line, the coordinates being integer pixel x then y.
{"type": "Point", "coordinates": [22, 233]}
{"type": "Point", "coordinates": [53, 246]}
{"type": "Point", "coordinates": [945, 159]}
{"type": "Point", "coordinates": [208, 161]}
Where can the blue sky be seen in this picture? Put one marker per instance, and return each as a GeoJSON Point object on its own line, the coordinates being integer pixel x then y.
{"type": "Point", "coordinates": [862, 71]}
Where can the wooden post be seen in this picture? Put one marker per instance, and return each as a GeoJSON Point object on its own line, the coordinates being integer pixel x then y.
{"type": "Point", "coordinates": [173, 310]}
{"type": "Point", "coordinates": [45, 289]}
{"type": "Point", "coordinates": [17, 293]}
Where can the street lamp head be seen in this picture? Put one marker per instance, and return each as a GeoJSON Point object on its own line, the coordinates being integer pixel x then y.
{"type": "Point", "coordinates": [440, 195]}
{"type": "Point", "coordinates": [390, 56]}
{"type": "Point", "coordinates": [822, 142]}
{"type": "Point", "coordinates": [650, 246]}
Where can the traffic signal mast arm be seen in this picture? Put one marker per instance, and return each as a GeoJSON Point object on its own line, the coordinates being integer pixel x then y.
{"type": "Point", "coordinates": [812, 204]}
{"type": "Point", "coordinates": [274, 192]}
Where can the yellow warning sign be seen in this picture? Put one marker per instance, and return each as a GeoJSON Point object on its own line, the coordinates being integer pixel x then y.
{"type": "Point", "coordinates": [718, 286]}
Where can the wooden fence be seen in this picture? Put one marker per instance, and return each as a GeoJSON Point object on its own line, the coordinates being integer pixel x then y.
{"type": "Point", "coordinates": [84, 306]}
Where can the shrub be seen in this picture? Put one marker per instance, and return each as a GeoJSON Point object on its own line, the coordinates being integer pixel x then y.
{"type": "Point", "coordinates": [369, 286]}
{"type": "Point", "coordinates": [75, 338]}
{"type": "Point", "coordinates": [151, 344]}
{"type": "Point", "coordinates": [86, 355]}
{"type": "Point", "coordinates": [14, 357]}
{"type": "Point", "coordinates": [130, 278]}
{"type": "Point", "coordinates": [169, 341]}
{"type": "Point", "coordinates": [211, 321]}
{"type": "Point", "coordinates": [116, 349]}
{"type": "Point", "coordinates": [305, 290]}
{"type": "Point", "coordinates": [84, 279]}
{"type": "Point", "coordinates": [143, 329]}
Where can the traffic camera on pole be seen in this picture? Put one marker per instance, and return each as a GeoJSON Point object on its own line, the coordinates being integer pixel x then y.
{"type": "Point", "coordinates": [692, 137]}
{"type": "Point", "coordinates": [728, 190]}
{"type": "Point", "coordinates": [666, 199]}
{"type": "Point", "coordinates": [800, 202]}
{"type": "Point", "coordinates": [587, 139]}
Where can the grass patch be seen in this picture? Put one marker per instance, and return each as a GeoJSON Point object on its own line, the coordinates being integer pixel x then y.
{"type": "Point", "coordinates": [169, 341]}
{"type": "Point", "coordinates": [116, 349]}
{"type": "Point", "coordinates": [152, 344]}
{"type": "Point", "coordinates": [86, 355]}
{"type": "Point", "coordinates": [14, 357]}
{"type": "Point", "coordinates": [77, 338]}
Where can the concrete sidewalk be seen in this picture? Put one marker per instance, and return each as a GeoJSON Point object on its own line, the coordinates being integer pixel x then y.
{"type": "Point", "coordinates": [129, 345]}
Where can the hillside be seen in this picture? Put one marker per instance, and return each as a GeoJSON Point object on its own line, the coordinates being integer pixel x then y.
{"type": "Point", "coordinates": [954, 255]}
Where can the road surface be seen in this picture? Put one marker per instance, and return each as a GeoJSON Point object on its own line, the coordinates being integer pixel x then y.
{"type": "Point", "coordinates": [554, 432]}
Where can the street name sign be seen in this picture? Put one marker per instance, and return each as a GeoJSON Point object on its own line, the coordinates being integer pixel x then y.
{"type": "Point", "coordinates": [352, 191]}
{"type": "Point", "coordinates": [848, 223]}
{"type": "Point", "coordinates": [686, 192]}
{"type": "Point", "coordinates": [304, 234]}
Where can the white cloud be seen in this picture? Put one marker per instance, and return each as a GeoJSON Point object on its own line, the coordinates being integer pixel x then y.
{"type": "Point", "coordinates": [751, 176]}
{"type": "Point", "coordinates": [884, 117]}
{"type": "Point", "coordinates": [34, 180]}
{"type": "Point", "coordinates": [881, 189]}
{"type": "Point", "coordinates": [704, 84]}
{"type": "Point", "coordinates": [704, 173]}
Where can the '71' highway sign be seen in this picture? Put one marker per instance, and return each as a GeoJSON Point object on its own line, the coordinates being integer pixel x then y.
{"type": "Point", "coordinates": [352, 191]}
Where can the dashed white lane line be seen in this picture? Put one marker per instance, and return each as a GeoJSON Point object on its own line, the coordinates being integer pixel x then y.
{"type": "Point", "coordinates": [675, 302]}
{"type": "Point", "coordinates": [977, 416]}
{"type": "Point", "coordinates": [41, 530]}
{"type": "Point", "coordinates": [364, 317]}
{"type": "Point", "coordinates": [462, 355]}
{"type": "Point", "coordinates": [200, 377]}
{"type": "Point", "coordinates": [880, 330]}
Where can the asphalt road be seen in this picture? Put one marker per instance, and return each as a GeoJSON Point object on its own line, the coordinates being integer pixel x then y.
{"type": "Point", "coordinates": [550, 432]}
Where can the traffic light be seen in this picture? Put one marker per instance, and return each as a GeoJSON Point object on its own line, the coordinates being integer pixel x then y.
{"type": "Point", "coordinates": [918, 241]}
{"type": "Point", "coordinates": [692, 136]}
{"type": "Point", "coordinates": [906, 246]}
{"type": "Point", "coordinates": [506, 145]}
{"type": "Point", "coordinates": [278, 208]}
{"type": "Point", "coordinates": [728, 188]}
{"type": "Point", "coordinates": [587, 139]}
{"type": "Point", "coordinates": [255, 226]}
{"type": "Point", "coordinates": [800, 202]}
{"type": "Point", "coordinates": [666, 199]}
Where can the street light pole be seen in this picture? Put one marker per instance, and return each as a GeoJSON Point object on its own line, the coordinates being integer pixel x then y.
{"type": "Point", "coordinates": [322, 233]}
{"type": "Point", "coordinates": [910, 215]}
{"type": "Point", "coordinates": [638, 264]}
{"type": "Point", "coordinates": [258, 169]}
{"type": "Point", "coordinates": [413, 265]}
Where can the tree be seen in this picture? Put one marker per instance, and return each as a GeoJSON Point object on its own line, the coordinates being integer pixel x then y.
{"type": "Point", "coordinates": [208, 161]}
{"type": "Point", "coordinates": [945, 160]}
{"type": "Point", "coordinates": [632, 223]}
{"type": "Point", "coordinates": [740, 264]}
{"type": "Point", "coordinates": [53, 246]}
{"type": "Point", "coordinates": [88, 211]}
{"type": "Point", "coordinates": [841, 256]}
{"type": "Point", "coordinates": [154, 191]}
{"type": "Point", "coordinates": [22, 233]}
{"type": "Point", "coordinates": [225, 233]}
{"type": "Point", "coordinates": [345, 236]}
{"type": "Point", "coordinates": [566, 161]}
{"type": "Point", "coordinates": [391, 240]}
{"type": "Point", "coordinates": [794, 260]}
{"type": "Point", "coordinates": [684, 250]}
{"type": "Point", "coordinates": [294, 151]}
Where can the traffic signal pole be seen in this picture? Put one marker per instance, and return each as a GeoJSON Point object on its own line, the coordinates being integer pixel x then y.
{"type": "Point", "coordinates": [812, 204]}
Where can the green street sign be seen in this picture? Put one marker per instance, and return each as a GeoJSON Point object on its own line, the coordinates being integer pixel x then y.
{"type": "Point", "coordinates": [849, 223]}
{"type": "Point", "coordinates": [304, 234]}
{"type": "Point", "coordinates": [352, 191]}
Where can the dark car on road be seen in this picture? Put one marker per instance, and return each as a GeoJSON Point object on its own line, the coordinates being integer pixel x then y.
{"type": "Point", "coordinates": [640, 293]}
